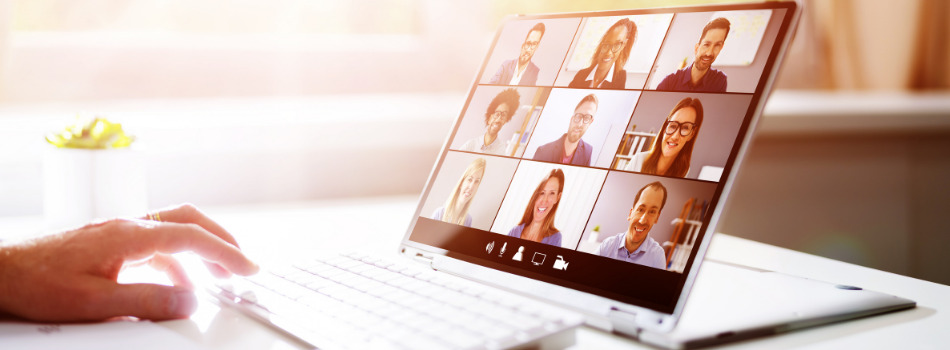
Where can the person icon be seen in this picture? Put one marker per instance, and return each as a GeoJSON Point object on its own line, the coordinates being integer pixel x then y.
{"type": "Point", "coordinates": [519, 254]}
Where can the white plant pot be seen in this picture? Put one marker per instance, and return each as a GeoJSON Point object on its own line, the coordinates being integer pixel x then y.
{"type": "Point", "coordinates": [82, 185]}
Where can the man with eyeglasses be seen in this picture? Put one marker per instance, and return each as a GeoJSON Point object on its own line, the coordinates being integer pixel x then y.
{"type": "Point", "coordinates": [635, 245]}
{"type": "Point", "coordinates": [499, 112]}
{"type": "Point", "coordinates": [570, 148]}
{"type": "Point", "coordinates": [700, 76]}
{"type": "Point", "coordinates": [521, 71]}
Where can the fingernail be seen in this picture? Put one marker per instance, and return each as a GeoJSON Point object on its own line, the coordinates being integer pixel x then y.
{"type": "Point", "coordinates": [183, 303]}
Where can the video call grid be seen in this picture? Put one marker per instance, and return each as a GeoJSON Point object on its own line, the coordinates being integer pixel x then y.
{"type": "Point", "coordinates": [542, 106]}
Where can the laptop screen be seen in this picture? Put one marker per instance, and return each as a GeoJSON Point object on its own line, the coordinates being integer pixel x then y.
{"type": "Point", "coordinates": [593, 148]}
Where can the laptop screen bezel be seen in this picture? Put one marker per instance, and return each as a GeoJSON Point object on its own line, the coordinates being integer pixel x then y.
{"type": "Point", "coordinates": [718, 203]}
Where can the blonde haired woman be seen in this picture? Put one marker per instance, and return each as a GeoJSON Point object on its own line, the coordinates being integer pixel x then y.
{"type": "Point", "coordinates": [455, 210]}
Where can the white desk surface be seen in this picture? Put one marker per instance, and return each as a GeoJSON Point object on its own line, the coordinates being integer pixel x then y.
{"type": "Point", "coordinates": [377, 224]}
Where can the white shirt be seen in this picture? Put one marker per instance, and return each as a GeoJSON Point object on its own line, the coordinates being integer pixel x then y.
{"type": "Point", "coordinates": [516, 78]}
{"type": "Point", "coordinates": [477, 144]}
{"type": "Point", "coordinates": [610, 75]}
{"type": "Point", "coordinates": [636, 163]}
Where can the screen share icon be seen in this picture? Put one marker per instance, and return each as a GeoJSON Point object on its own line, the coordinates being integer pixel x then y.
{"type": "Point", "coordinates": [538, 259]}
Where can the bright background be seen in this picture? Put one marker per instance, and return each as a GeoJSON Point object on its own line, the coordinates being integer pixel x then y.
{"type": "Point", "coordinates": [239, 102]}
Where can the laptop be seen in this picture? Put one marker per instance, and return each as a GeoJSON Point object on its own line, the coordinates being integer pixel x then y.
{"type": "Point", "coordinates": [582, 180]}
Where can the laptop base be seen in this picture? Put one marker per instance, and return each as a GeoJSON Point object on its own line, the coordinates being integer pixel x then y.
{"type": "Point", "coordinates": [731, 303]}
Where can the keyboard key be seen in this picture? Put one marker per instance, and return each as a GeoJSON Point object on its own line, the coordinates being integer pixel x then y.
{"type": "Point", "coordinates": [383, 263]}
{"type": "Point", "coordinates": [420, 321]}
{"type": "Point", "coordinates": [382, 290]}
{"type": "Point", "coordinates": [281, 271]}
{"type": "Point", "coordinates": [396, 267]}
{"type": "Point", "coordinates": [402, 335]}
{"type": "Point", "coordinates": [381, 343]}
{"type": "Point", "coordinates": [412, 272]}
{"type": "Point", "coordinates": [316, 283]}
{"type": "Point", "coordinates": [461, 339]}
{"type": "Point", "coordinates": [435, 329]}
{"type": "Point", "coordinates": [356, 255]}
{"type": "Point", "coordinates": [381, 275]}
{"type": "Point", "coordinates": [359, 269]}
{"type": "Point", "coordinates": [429, 343]}
{"type": "Point", "coordinates": [491, 330]}
{"type": "Point", "coordinates": [318, 301]}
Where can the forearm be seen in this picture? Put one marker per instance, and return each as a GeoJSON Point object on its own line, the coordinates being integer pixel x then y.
{"type": "Point", "coordinates": [7, 276]}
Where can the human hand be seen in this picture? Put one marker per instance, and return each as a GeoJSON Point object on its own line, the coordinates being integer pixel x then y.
{"type": "Point", "coordinates": [71, 276]}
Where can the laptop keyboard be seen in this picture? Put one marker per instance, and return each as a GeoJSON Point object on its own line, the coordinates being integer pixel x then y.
{"type": "Point", "coordinates": [361, 301]}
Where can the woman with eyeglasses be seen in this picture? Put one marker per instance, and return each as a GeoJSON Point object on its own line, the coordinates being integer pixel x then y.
{"type": "Point", "coordinates": [455, 210]}
{"type": "Point", "coordinates": [673, 146]}
{"type": "Point", "coordinates": [606, 66]}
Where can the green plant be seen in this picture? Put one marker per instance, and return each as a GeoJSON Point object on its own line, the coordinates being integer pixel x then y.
{"type": "Point", "coordinates": [95, 133]}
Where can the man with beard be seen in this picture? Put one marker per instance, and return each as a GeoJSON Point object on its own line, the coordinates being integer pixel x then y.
{"type": "Point", "coordinates": [499, 112]}
{"type": "Point", "coordinates": [699, 76]}
{"type": "Point", "coordinates": [636, 245]}
{"type": "Point", "coordinates": [569, 148]}
{"type": "Point", "coordinates": [521, 71]}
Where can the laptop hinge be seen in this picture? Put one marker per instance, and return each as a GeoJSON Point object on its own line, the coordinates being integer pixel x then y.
{"type": "Point", "coordinates": [419, 256]}
{"type": "Point", "coordinates": [624, 322]}
{"type": "Point", "coordinates": [425, 259]}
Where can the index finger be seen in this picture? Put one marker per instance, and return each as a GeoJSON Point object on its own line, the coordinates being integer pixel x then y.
{"type": "Point", "coordinates": [190, 214]}
{"type": "Point", "coordinates": [170, 238]}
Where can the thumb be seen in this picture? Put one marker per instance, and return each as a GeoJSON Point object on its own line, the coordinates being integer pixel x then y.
{"type": "Point", "coordinates": [151, 301]}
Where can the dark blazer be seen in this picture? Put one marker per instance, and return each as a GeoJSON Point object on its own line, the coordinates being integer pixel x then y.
{"type": "Point", "coordinates": [507, 70]}
{"type": "Point", "coordinates": [619, 80]}
{"type": "Point", "coordinates": [553, 151]}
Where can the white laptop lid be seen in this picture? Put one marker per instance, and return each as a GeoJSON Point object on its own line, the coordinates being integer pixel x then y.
{"type": "Point", "coordinates": [491, 186]}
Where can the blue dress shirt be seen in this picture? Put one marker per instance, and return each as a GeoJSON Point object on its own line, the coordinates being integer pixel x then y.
{"type": "Point", "coordinates": [649, 253]}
